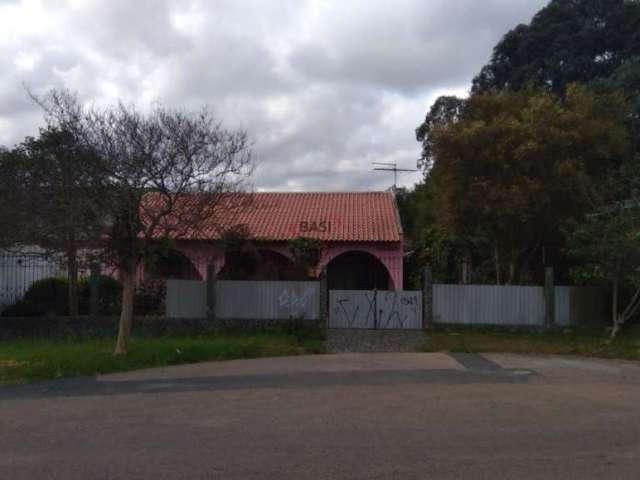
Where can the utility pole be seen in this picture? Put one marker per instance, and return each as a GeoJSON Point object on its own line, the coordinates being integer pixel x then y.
{"type": "Point", "coordinates": [392, 167]}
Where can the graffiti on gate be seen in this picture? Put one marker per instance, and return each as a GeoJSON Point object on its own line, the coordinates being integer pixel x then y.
{"type": "Point", "coordinates": [376, 309]}
{"type": "Point", "coordinates": [398, 310]}
{"type": "Point", "coordinates": [355, 311]}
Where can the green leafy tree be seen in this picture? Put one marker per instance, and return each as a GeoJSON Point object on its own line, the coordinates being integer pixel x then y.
{"type": "Point", "coordinates": [626, 81]}
{"type": "Point", "coordinates": [606, 242]}
{"type": "Point", "coordinates": [445, 110]}
{"type": "Point", "coordinates": [58, 199]}
{"type": "Point", "coordinates": [13, 220]}
{"type": "Point", "coordinates": [518, 164]}
{"type": "Point", "coordinates": [306, 252]}
{"type": "Point", "coordinates": [568, 41]}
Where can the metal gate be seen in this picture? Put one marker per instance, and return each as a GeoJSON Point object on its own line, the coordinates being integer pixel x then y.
{"type": "Point", "coordinates": [372, 309]}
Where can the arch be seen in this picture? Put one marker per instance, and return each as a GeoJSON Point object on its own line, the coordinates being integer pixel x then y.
{"type": "Point", "coordinates": [258, 264]}
{"type": "Point", "coordinates": [357, 270]}
{"type": "Point", "coordinates": [174, 265]}
{"type": "Point", "coordinates": [274, 265]}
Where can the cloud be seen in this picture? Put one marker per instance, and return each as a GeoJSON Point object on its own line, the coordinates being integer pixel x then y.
{"type": "Point", "coordinates": [324, 88]}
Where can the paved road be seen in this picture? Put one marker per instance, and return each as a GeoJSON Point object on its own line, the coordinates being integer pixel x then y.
{"type": "Point", "coordinates": [352, 416]}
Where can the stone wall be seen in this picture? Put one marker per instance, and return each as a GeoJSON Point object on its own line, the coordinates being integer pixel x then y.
{"type": "Point", "coordinates": [69, 327]}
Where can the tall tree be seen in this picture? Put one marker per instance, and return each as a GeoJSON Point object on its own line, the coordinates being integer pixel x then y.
{"type": "Point", "coordinates": [518, 163]}
{"type": "Point", "coordinates": [12, 178]}
{"type": "Point", "coordinates": [568, 41]}
{"type": "Point", "coordinates": [58, 197]}
{"type": "Point", "coordinates": [161, 173]}
{"type": "Point", "coordinates": [445, 110]}
{"type": "Point", "coordinates": [626, 80]}
{"type": "Point", "coordinates": [606, 241]}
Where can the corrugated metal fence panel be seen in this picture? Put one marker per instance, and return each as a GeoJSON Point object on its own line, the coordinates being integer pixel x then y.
{"type": "Point", "coordinates": [351, 309]}
{"type": "Point", "coordinates": [488, 305]}
{"type": "Point", "coordinates": [456, 304]}
{"type": "Point", "coordinates": [368, 309]}
{"type": "Point", "coordinates": [19, 271]}
{"type": "Point", "coordinates": [186, 299]}
{"type": "Point", "coordinates": [399, 310]}
{"type": "Point", "coordinates": [260, 300]}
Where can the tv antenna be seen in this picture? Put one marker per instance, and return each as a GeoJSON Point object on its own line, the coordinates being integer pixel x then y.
{"type": "Point", "coordinates": [392, 167]}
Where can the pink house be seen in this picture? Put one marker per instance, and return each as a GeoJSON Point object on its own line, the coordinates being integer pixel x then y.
{"type": "Point", "coordinates": [360, 235]}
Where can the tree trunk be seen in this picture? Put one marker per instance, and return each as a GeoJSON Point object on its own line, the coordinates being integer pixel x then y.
{"type": "Point", "coordinates": [512, 272]}
{"type": "Point", "coordinates": [126, 314]}
{"type": "Point", "coordinates": [614, 309]}
{"type": "Point", "coordinates": [497, 263]}
{"type": "Point", "coordinates": [72, 275]}
{"type": "Point", "coordinates": [466, 270]}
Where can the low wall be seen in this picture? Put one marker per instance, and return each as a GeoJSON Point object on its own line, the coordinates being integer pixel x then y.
{"type": "Point", "coordinates": [69, 327]}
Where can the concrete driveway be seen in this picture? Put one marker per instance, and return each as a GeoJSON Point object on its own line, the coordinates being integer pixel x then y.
{"type": "Point", "coordinates": [351, 416]}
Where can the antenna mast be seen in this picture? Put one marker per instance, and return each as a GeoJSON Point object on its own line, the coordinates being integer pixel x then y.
{"type": "Point", "coordinates": [392, 167]}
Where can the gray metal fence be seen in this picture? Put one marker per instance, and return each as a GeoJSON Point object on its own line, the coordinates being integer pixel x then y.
{"type": "Point", "coordinates": [579, 305]}
{"type": "Point", "coordinates": [370, 309]}
{"type": "Point", "coordinates": [186, 299]}
{"type": "Point", "coordinates": [260, 300]}
{"type": "Point", "coordinates": [244, 300]}
{"type": "Point", "coordinates": [513, 305]}
{"type": "Point", "coordinates": [18, 271]}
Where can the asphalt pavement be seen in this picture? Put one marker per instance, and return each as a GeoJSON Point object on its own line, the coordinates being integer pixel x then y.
{"type": "Point", "coordinates": [345, 416]}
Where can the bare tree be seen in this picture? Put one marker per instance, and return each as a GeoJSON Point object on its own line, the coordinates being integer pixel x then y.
{"type": "Point", "coordinates": [162, 175]}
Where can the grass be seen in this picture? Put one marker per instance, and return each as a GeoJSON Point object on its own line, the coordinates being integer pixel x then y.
{"type": "Point", "coordinates": [586, 342]}
{"type": "Point", "coordinates": [23, 361]}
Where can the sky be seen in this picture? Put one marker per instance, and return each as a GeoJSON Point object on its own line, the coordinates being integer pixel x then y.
{"type": "Point", "coordinates": [324, 88]}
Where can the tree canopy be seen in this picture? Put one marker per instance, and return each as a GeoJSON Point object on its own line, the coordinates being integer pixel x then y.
{"type": "Point", "coordinates": [516, 164]}
{"type": "Point", "coordinates": [606, 241]}
{"type": "Point", "coordinates": [159, 177]}
{"type": "Point", "coordinates": [568, 41]}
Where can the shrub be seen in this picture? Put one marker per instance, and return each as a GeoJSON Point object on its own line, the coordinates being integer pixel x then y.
{"type": "Point", "coordinates": [48, 296]}
{"type": "Point", "coordinates": [149, 297]}
{"type": "Point", "coordinates": [109, 295]}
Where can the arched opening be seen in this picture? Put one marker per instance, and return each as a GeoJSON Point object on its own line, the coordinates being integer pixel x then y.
{"type": "Point", "coordinates": [258, 265]}
{"type": "Point", "coordinates": [174, 265]}
{"type": "Point", "coordinates": [357, 271]}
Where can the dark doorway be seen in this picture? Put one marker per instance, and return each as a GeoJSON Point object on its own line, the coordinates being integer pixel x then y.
{"type": "Point", "coordinates": [173, 264]}
{"type": "Point", "coordinates": [357, 271]}
{"type": "Point", "coordinates": [258, 265]}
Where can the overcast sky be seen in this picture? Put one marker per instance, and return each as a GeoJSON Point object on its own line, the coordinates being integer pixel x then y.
{"type": "Point", "coordinates": [324, 88]}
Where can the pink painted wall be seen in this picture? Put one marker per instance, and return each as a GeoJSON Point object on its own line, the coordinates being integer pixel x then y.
{"type": "Point", "coordinates": [389, 254]}
{"type": "Point", "coordinates": [202, 254]}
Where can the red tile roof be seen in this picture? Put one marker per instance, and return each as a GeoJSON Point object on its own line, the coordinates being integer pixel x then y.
{"type": "Point", "coordinates": [344, 217]}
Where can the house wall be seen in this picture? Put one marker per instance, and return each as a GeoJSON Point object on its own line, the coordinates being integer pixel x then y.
{"type": "Point", "coordinates": [202, 254]}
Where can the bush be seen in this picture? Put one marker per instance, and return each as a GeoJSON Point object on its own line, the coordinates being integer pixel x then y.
{"type": "Point", "coordinates": [50, 296]}
{"type": "Point", "coordinates": [149, 297]}
{"type": "Point", "coordinates": [109, 295]}
{"type": "Point", "coordinates": [44, 297]}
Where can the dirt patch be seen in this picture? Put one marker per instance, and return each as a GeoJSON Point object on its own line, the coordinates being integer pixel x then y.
{"type": "Point", "coordinates": [350, 340]}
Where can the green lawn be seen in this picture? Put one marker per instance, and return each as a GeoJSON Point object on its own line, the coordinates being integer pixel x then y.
{"type": "Point", "coordinates": [592, 343]}
{"type": "Point", "coordinates": [24, 361]}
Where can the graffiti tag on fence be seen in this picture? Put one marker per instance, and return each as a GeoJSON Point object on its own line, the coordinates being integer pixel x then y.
{"type": "Point", "coordinates": [376, 309]}
{"type": "Point", "coordinates": [296, 304]}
